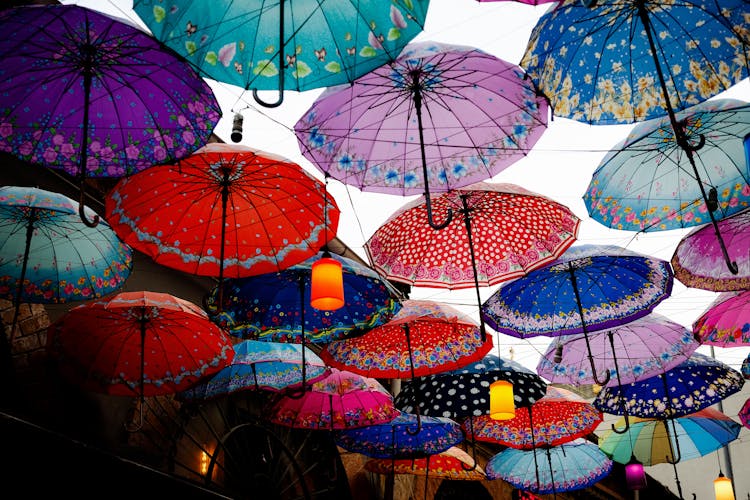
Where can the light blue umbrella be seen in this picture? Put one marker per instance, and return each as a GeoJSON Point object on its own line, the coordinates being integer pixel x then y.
{"type": "Point", "coordinates": [300, 45]}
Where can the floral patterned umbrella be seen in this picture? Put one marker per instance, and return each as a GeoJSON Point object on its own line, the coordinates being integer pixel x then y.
{"type": "Point", "coordinates": [559, 417]}
{"type": "Point", "coordinates": [697, 261]}
{"type": "Point", "coordinates": [631, 352]}
{"type": "Point", "coordinates": [726, 322]}
{"type": "Point", "coordinates": [694, 384]}
{"type": "Point", "coordinates": [746, 367]}
{"type": "Point", "coordinates": [439, 117]}
{"type": "Point", "coordinates": [341, 400]}
{"type": "Point", "coordinates": [744, 414]}
{"type": "Point", "coordinates": [424, 337]}
{"type": "Point", "coordinates": [81, 89]}
{"type": "Point", "coordinates": [405, 436]}
{"type": "Point", "coordinates": [453, 463]}
{"type": "Point", "coordinates": [571, 466]}
{"type": "Point", "coordinates": [266, 366]}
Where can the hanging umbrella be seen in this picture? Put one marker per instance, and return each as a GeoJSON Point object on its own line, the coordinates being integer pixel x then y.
{"type": "Point", "coordinates": [424, 337]}
{"type": "Point", "coordinates": [610, 61]}
{"type": "Point", "coordinates": [341, 400]}
{"type": "Point", "coordinates": [631, 352]}
{"type": "Point", "coordinates": [48, 255]}
{"type": "Point", "coordinates": [440, 116]}
{"type": "Point", "coordinates": [744, 414]}
{"type": "Point", "coordinates": [654, 441]}
{"type": "Point", "coordinates": [746, 367]}
{"type": "Point", "coordinates": [527, 2]}
{"type": "Point", "coordinates": [726, 322]}
{"type": "Point", "coordinates": [453, 463]}
{"type": "Point", "coordinates": [466, 391]}
{"type": "Point", "coordinates": [646, 182]}
{"type": "Point", "coordinates": [227, 210]}
{"type": "Point", "coordinates": [589, 288]}
{"type": "Point", "coordinates": [300, 45]}
{"type": "Point", "coordinates": [696, 383]}
{"type": "Point", "coordinates": [698, 262]}
{"type": "Point", "coordinates": [276, 306]}
{"type": "Point", "coordinates": [559, 417]}
{"type": "Point", "coordinates": [266, 366]}
{"type": "Point", "coordinates": [79, 88]}
{"type": "Point", "coordinates": [570, 466]}
{"type": "Point", "coordinates": [398, 438]}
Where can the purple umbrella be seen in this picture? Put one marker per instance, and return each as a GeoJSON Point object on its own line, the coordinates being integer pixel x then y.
{"type": "Point", "coordinates": [441, 115]}
{"type": "Point", "coordinates": [95, 97]}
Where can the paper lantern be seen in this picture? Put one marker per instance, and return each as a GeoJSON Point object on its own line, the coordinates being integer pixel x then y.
{"type": "Point", "coordinates": [502, 404]}
{"type": "Point", "coordinates": [327, 288]}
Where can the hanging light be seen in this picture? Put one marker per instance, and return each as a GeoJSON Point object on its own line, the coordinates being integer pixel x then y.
{"type": "Point", "coordinates": [502, 404]}
{"type": "Point", "coordinates": [327, 288]}
{"type": "Point", "coordinates": [723, 487]}
{"type": "Point", "coordinates": [635, 476]}
{"type": "Point", "coordinates": [237, 127]}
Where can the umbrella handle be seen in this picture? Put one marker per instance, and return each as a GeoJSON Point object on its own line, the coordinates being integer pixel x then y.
{"type": "Point", "coordinates": [135, 427]}
{"type": "Point", "coordinates": [473, 446]}
{"type": "Point", "coordinates": [419, 425]}
{"type": "Point", "coordinates": [282, 65]}
{"type": "Point", "coordinates": [431, 219]}
{"type": "Point", "coordinates": [624, 429]}
{"type": "Point", "coordinates": [278, 101]}
{"type": "Point", "coordinates": [82, 206]}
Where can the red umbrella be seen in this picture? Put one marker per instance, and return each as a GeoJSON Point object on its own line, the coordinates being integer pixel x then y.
{"type": "Point", "coordinates": [226, 210]}
{"type": "Point", "coordinates": [423, 338]}
{"type": "Point", "coordinates": [453, 463]}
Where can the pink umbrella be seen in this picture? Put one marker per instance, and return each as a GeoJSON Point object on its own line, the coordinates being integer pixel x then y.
{"type": "Point", "coordinates": [698, 260]}
{"type": "Point", "coordinates": [726, 322]}
{"type": "Point", "coordinates": [342, 400]}
{"type": "Point", "coordinates": [745, 414]}
{"type": "Point", "coordinates": [631, 352]}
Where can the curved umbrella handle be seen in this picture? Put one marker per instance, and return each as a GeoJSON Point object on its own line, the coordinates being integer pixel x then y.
{"type": "Point", "coordinates": [282, 65]}
{"type": "Point", "coordinates": [473, 446]}
{"type": "Point", "coordinates": [430, 218]}
{"type": "Point", "coordinates": [278, 101]}
{"type": "Point", "coordinates": [82, 206]}
{"type": "Point", "coordinates": [419, 425]}
{"type": "Point", "coordinates": [611, 337]}
{"type": "Point", "coordinates": [627, 424]}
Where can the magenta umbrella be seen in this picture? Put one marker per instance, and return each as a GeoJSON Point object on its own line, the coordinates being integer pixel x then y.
{"type": "Point", "coordinates": [698, 260]}
{"type": "Point", "coordinates": [440, 116]}
{"type": "Point", "coordinates": [634, 351]}
{"type": "Point", "coordinates": [745, 414]}
{"type": "Point", "coordinates": [726, 322]}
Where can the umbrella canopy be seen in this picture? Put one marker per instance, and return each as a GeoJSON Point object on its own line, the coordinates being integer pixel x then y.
{"type": "Point", "coordinates": [466, 391]}
{"type": "Point", "coordinates": [298, 45]}
{"type": "Point", "coordinates": [559, 417]}
{"type": "Point", "coordinates": [656, 441]}
{"type": "Point", "coordinates": [744, 414]}
{"type": "Point", "coordinates": [631, 352]}
{"type": "Point", "coordinates": [698, 262]}
{"type": "Point", "coordinates": [453, 463]}
{"type": "Point", "coordinates": [614, 62]}
{"type": "Point", "coordinates": [266, 366]}
{"type": "Point", "coordinates": [440, 116]}
{"type": "Point", "coordinates": [405, 436]}
{"type": "Point", "coordinates": [341, 400]}
{"type": "Point", "coordinates": [137, 344]}
{"type": "Point", "coordinates": [726, 322]}
{"type": "Point", "coordinates": [696, 383]}
{"type": "Point", "coordinates": [504, 232]}
{"type": "Point", "coordinates": [570, 466]}
{"type": "Point", "coordinates": [276, 306]}
{"type": "Point", "coordinates": [424, 337]}
{"type": "Point", "coordinates": [93, 96]}
{"type": "Point", "coordinates": [227, 210]}
{"type": "Point", "coordinates": [746, 367]}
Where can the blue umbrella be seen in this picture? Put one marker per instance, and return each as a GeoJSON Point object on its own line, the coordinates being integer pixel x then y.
{"type": "Point", "coordinates": [571, 466]}
{"type": "Point", "coordinates": [398, 439]}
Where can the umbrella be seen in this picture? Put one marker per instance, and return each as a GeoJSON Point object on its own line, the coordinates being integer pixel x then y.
{"type": "Point", "coordinates": [744, 414]}
{"type": "Point", "coordinates": [298, 45]}
{"type": "Point", "coordinates": [726, 322]}
{"type": "Point", "coordinates": [424, 337]}
{"type": "Point", "coordinates": [696, 383]}
{"type": "Point", "coordinates": [658, 179]}
{"type": "Point", "coordinates": [397, 439]}
{"type": "Point", "coordinates": [267, 366]}
{"type": "Point", "coordinates": [631, 352]}
{"type": "Point", "coordinates": [48, 255]}
{"type": "Point", "coordinates": [449, 464]}
{"type": "Point", "coordinates": [527, 2]}
{"type": "Point", "coordinates": [571, 466]}
{"type": "Point", "coordinates": [746, 367]}
{"type": "Point", "coordinates": [590, 288]}
{"type": "Point", "coordinates": [79, 88]}
{"type": "Point", "coordinates": [441, 115]}
{"type": "Point", "coordinates": [226, 210]}
{"type": "Point", "coordinates": [341, 400]}
{"type": "Point", "coordinates": [559, 417]}
{"type": "Point", "coordinates": [276, 306]}
{"type": "Point", "coordinates": [465, 392]}
{"type": "Point", "coordinates": [651, 441]}
{"type": "Point", "coordinates": [697, 261]}
{"type": "Point", "coordinates": [610, 61]}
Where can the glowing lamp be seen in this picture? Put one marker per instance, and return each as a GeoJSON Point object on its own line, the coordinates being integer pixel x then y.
{"type": "Point", "coordinates": [327, 289]}
{"type": "Point", "coordinates": [204, 460]}
{"type": "Point", "coordinates": [502, 405]}
{"type": "Point", "coordinates": [723, 487]}
{"type": "Point", "coordinates": [635, 477]}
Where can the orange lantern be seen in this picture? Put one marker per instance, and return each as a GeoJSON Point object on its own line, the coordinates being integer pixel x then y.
{"type": "Point", "coordinates": [502, 405]}
{"type": "Point", "coordinates": [327, 288]}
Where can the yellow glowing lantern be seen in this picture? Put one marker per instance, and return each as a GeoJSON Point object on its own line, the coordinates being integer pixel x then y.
{"type": "Point", "coordinates": [723, 487]}
{"type": "Point", "coordinates": [502, 405]}
{"type": "Point", "coordinates": [327, 288]}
